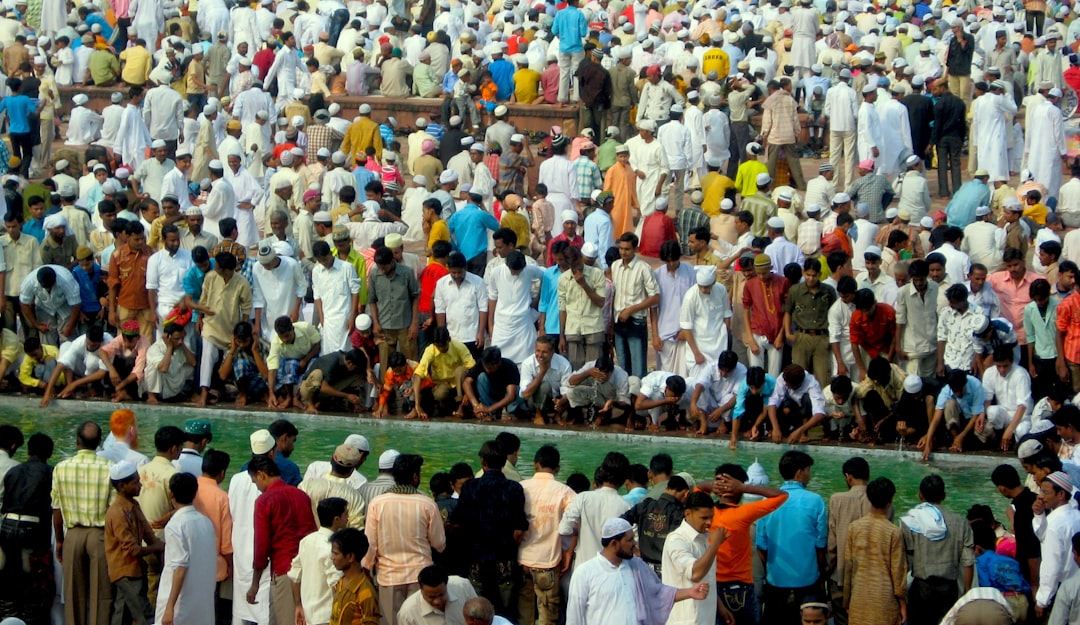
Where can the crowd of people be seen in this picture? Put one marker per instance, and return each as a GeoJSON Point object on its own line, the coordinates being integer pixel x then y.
{"type": "Point", "coordinates": [110, 533]}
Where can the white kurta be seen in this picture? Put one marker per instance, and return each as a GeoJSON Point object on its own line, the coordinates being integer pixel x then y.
{"type": "Point", "coordinates": [1044, 157]}
{"type": "Point", "coordinates": [335, 287]}
{"type": "Point", "coordinates": [717, 135]}
{"type": "Point", "coordinates": [694, 119]}
{"type": "Point", "coordinates": [869, 135]}
{"type": "Point", "coordinates": [148, 20]}
{"type": "Point", "coordinates": [175, 183]}
{"type": "Point", "coordinates": [705, 317]}
{"type": "Point", "coordinates": [897, 138]}
{"type": "Point", "coordinates": [651, 159]}
{"type": "Point", "coordinates": [514, 330]}
{"type": "Point", "coordinates": [804, 29]}
{"type": "Point", "coordinates": [220, 205]}
{"type": "Point", "coordinates": [275, 291]}
{"type": "Point", "coordinates": [245, 189]}
{"type": "Point", "coordinates": [84, 127]}
{"type": "Point", "coordinates": [190, 543]}
{"type": "Point", "coordinates": [991, 117]}
{"type": "Point", "coordinates": [682, 549]}
{"type": "Point", "coordinates": [412, 212]}
{"type": "Point", "coordinates": [133, 137]}
{"type": "Point", "coordinates": [560, 176]}
{"type": "Point", "coordinates": [242, 496]}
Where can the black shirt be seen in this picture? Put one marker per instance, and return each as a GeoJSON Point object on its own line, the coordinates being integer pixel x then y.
{"type": "Point", "coordinates": [948, 118]}
{"type": "Point", "coordinates": [27, 490]}
{"type": "Point", "coordinates": [1027, 545]}
{"type": "Point", "coordinates": [959, 57]}
{"type": "Point", "coordinates": [333, 367]}
{"type": "Point", "coordinates": [489, 510]}
{"type": "Point", "coordinates": [655, 518]}
{"type": "Point", "coordinates": [499, 382]}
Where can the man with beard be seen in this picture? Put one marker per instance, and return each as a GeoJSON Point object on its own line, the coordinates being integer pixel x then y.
{"type": "Point", "coordinates": [597, 596]}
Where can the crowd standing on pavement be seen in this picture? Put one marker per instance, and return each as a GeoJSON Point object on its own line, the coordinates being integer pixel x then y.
{"type": "Point", "coordinates": [224, 231]}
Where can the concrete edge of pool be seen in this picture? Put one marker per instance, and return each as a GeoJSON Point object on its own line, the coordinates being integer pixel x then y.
{"type": "Point", "coordinates": [938, 458]}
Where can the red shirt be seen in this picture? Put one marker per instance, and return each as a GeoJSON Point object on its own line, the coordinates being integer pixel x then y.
{"type": "Point", "coordinates": [766, 313]}
{"type": "Point", "coordinates": [874, 335]}
{"type": "Point", "coordinates": [1068, 321]}
{"type": "Point", "coordinates": [282, 517]}
{"type": "Point", "coordinates": [658, 227]}
{"type": "Point", "coordinates": [263, 59]}
{"type": "Point", "coordinates": [1072, 78]}
{"type": "Point", "coordinates": [428, 277]}
{"type": "Point", "coordinates": [577, 242]}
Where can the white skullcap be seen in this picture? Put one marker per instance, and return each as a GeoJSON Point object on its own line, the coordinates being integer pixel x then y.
{"type": "Point", "coordinates": [589, 250]}
{"type": "Point", "coordinates": [448, 176]}
{"type": "Point", "coordinates": [216, 165]}
{"type": "Point", "coordinates": [262, 442]}
{"type": "Point", "coordinates": [926, 222]}
{"type": "Point", "coordinates": [193, 211]}
{"type": "Point", "coordinates": [56, 220]}
{"type": "Point", "coordinates": [726, 204]}
{"type": "Point", "coordinates": [286, 158]}
{"type": "Point", "coordinates": [615, 527]}
{"type": "Point", "coordinates": [420, 180]}
{"type": "Point", "coordinates": [338, 158]}
{"type": "Point", "coordinates": [121, 471]}
{"type": "Point", "coordinates": [569, 215]}
{"type": "Point", "coordinates": [706, 275]}
{"type": "Point", "coordinates": [365, 109]}
{"type": "Point", "coordinates": [388, 457]}
{"type": "Point", "coordinates": [80, 98]}
{"type": "Point", "coordinates": [775, 223]}
{"type": "Point", "coordinates": [157, 143]}
{"type": "Point", "coordinates": [913, 384]}
{"type": "Point", "coordinates": [763, 179]}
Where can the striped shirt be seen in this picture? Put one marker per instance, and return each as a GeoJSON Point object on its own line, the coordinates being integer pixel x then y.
{"type": "Point", "coordinates": [634, 283]}
{"type": "Point", "coordinates": [545, 501]}
{"type": "Point", "coordinates": [81, 489]}
{"type": "Point", "coordinates": [402, 529]}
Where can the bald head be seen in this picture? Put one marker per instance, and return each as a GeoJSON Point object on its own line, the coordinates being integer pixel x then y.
{"type": "Point", "coordinates": [478, 611]}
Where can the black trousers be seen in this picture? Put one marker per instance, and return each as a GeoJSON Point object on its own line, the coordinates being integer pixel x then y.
{"type": "Point", "coordinates": [948, 160]}
{"type": "Point", "coordinates": [782, 604]}
{"type": "Point", "coordinates": [929, 600]}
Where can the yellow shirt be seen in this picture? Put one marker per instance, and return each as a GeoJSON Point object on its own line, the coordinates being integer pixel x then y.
{"type": "Point", "coordinates": [137, 64]}
{"type": "Point", "coordinates": [716, 60]}
{"type": "Point", "coordinates": [439, 366]}
{"type": "Point", "coordinates": [746, 177]}
{"type": "Point", "coordinates": [715, 186]}
{"type": "Point", "coordinates": [26, 367]}
{"type": "Point", "coordinates": [439, 232]}
{"type": "Point", "coordinates": [342, 210]}
{"type": "Point", "coordinates": [519, 224]}
{"type": "Point", "coordinates": [526, 85]}
{"type": "Point", "coordinates": [1037, 213]}
{"type": "Point", "coordinates": [230, 302]}
{"type": "Point", "coordinates": [155, 240]}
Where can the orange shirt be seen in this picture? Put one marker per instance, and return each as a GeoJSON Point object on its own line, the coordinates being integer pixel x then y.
{"type": "Point", "coordinates": [733, 563]}
{"type": "Point", "coordinates": [127, 269]}
{"type": "Point", "coordinates": [213, 502]}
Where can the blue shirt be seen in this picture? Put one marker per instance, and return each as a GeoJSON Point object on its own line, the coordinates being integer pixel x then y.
{"type": "Point", "coordinates": [35, 228]}
{"type": "Point", "coordinates": [106, 29]}
{"type": "Point", "coordinates": [387, 134]}
{"type": "Point", "coordinates": [449, 79]}
{"type": "Point", "coordinates": [598, 231]}
{"type": "Point", "coordinates": [290, 473]}
{"type": "Point", "coordinates": [435, 130]}
{"type": "Point", "coordinates": [744, 390]}
{"type": "Point", "coordinates": [972, 403]}
{"type": "Point", "coordinates": [635, 496]}
{"type": "Point", "coordinates": [549, 300]}
{"type": "Point", "coordinates": [571, 28]}
{"type": "Point", "coordinates": [1001, 572]}
{"type": "Point", "coordinates": [19, 108]}
{"type": "Point", "coordinates": [792, 535]}
{"type": "Point", "coordinates": [970, 196]}
{"type": "Point", "coordinates": [502, 74]}
{"type": "Point", "coordinates": [467, 230]}
{"type": "Point", "coordinates": [193, 282]}
{"type": "Point", "coordinates": [88, 283]}
{"type": "Point", "coordinates": [363, 175]}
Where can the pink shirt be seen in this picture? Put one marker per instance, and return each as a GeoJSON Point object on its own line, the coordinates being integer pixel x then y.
{"type": "Point", "coordinates": [1013, 298]}
{"type": "Point", "coordinates": [121, 8]}
{"type": "Point", "coordinates": [545, 501]}
{"type": "Point", "coordinates": [402, 531]}
{"type": "Point", "coordinates": [549, 83]}
{"type": "Point", "coordinates": [115, 348]}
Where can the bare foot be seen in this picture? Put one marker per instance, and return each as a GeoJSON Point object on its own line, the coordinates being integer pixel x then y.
{"type": "Point", "coordinates": [151, 399]}
{"type": "Point", "coordinates": [539, 419]}
{"type": "Point", "coordinates": [311, 409]}
{"type": "Point", "coordinates": [200, 402]}
{"type": "Point", "coordinates": [241, 400]}
{"type": "Point", "coordinates": [410, 415]}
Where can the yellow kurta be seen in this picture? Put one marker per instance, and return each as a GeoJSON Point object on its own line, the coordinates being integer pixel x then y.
{"type": "Point", "coordinates": [622, 182]}
{"type": "Point", "coordinates": [363, 133]}
{"type": "Point", "coordinates": [875, 572]}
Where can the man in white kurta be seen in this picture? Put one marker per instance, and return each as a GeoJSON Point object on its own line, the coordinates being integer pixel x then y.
{"type": "Point", "coordinates": [286, 65]}
{"type": "Point", "coordinates": [704, 319]}
{"type": "Point", "coordinates": [649, 161]}
{"type": "Point", "coordinates": [191, 551]}
{"type": "Point", "coordinates": [165, 271]}
{"type": "Point", "coordinates": [513, 318]}
{"type": "Point", "coordinates": [694, 120]}
{"type": "Point", "coordinates": [278, 284]}
{"type": "Point", "coordinates": [336, 289]}
{"type": "Point", "coordinates": [1045, 152]}
{"type": "Point", "coordinates": [132, 137]}
{"type": "Point", "coordinates": [222, 201]}
{"type": "Point", "coordinates": [991, 117]}
{"type": "Point", "coordinates": [85, 125]}
{"type": "Point", "coordinates": [248, 194]}
{"type": "Point", "coordinates": [805, 22]}
{"type": "Point", "coordinates": [870, 137]}
{"type": "Point", "coordinates": [560, 176]}
{"type": "Point", "coordinates": [894, 117]}
{"type": "Point", "coordinates": [175, 181]}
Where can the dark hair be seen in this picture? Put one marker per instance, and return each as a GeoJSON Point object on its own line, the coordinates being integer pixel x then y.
{"type": "Point", "coordinates": [864, 299]}
{"type": "Point", "coordinates": [661, 464]}
{"type": "Point", "coordinates": [432, 576]}
{"type": "Point", "coordinates": [880, 492]}
{"type": "Point", "coordinates": [698, 500]}
{"type": "Point", "coordinates": [460, 470]}
{"type": "Point", "coordinates": [351, 542]}
{"type": "Point", "coordinates": [896, 237]}
{"type": "Point", "coordinates": [677, 483]}
{"type": "Point", "coordinates": [794, 461]}
{"type": "Point", "coordinates": [983, 535]}
{"type": "Point", "coordinates": [383, 256]}
{"type": "Point", "coordinates": [857, 467]}
{"type": "Point", "coordinates": [701, 234]}
{"type": "Point", "coordinates": [548, 457]}
{"type": "Point", "coordinates": [676, 384]}
{"type": "Point", "coordinates": [613, 469]}
{"type": "Point", "coordinates": [320, 249]}
{"type": "Point", "coordinates": [167, 437]}
{"type": "Point", "coordinates": [405, 467]}
{"type": "Point", "coordinates": [508, 442]}
{"type": "Point", "coordinates": [847, 285]}
{"type": "Point", "coordinates": [836, 260]}
{"type": "Point", "coordinates": [40, 446]}
{"type": "Point", "coordinates": [183, 487]}
{"type": "Point", "coordinates": [669, 250]}
{"type": "Point", "coordinates": [506, 235]}
{"type": "Point", "coordinates": [456, 260]}
{"type": "Point", "coordinates": [578, 482]}
{"type": "Point", "coordinates": [440, 484]}
{"type": "Point", "coordinates": [745, 216]}
{"type": "Point", "coordinates": [956, 293]}
{"type": "Point", "coordinates": [215, 462]}
{"type": "Point", "coordinates": [728, 360]}
{"type": "Point", "coordinates": [491, 356]}
{"type": "Point", "coordinates": [282, 427]}
{"type": "Point", "coordinates": [631, 238]}
{"type": "Point", "coordinates": [932, 488]}
{"type": "Point", "coordinates": [225, 261]}
{"type": "Point", "coordinates": [492, 455]}
{"type": "Point", "coordinates": [1004, 353]}
{"type": "Point", "coordinates": [639, 474]}
{"type": "Point", "coordinates": [329, 509]}
{"type": "Point", "coordinates": [732, 469]}
{"type": "Point", "coordinates": [11, 437]}
{"type": "Point", "coordinates": [1011, 254]}
{"type": "Point", "coordinates": [755, 376]}
{"type": "Point", "coordinates": [1039, 288]}
{"type": "Point", "coordinates": [265, 464]}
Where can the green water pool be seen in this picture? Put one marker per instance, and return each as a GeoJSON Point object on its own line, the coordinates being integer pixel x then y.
{"type": "Point", "coordinates": [967, 478]}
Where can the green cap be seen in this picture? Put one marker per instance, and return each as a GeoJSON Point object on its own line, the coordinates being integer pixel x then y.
{"type": "Point", "coordinates": [197, 426]}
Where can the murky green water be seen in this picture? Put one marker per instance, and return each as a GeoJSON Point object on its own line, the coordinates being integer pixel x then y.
{"type": "Point", "coordinates": [443, 445]}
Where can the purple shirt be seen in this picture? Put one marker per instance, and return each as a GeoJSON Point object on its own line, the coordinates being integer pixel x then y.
{"type": "Point", "coordinates": [672, 290]}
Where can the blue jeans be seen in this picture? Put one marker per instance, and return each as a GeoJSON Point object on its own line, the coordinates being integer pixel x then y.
{"type": "Point", "coordinates": [483, 389]}
{"type": "Point", "coordinates": [631, 346]}
{"type": "Point", "coordinates": [739, 598]}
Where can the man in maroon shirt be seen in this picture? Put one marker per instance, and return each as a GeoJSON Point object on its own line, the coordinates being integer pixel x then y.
{"type": "Point", "coordinates": [282, 517]}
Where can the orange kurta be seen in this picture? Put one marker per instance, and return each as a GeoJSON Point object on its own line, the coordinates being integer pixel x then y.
{"type": "Point", "coordinates": [622, 182]}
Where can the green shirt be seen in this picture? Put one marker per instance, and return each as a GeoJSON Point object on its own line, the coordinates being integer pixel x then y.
{"type": "Point", "coordinates": [104, 67]}
{"type": "Point", "coordinates": [1042, 330]}
{"type": "Point", "coordinates": [307, 336]}
{"type": "Point", "coordinates": [810, 310]}
{"type": "Point", "coordinates": [394, 296]}
{"type": "Point", "coordinates": [605, 154]}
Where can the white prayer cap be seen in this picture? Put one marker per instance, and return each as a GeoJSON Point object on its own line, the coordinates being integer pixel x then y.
{"type": "Point", "coordinates": [121, 471]}
{"type": "Point", "coordinates": [338, 158]}
{"type": "Point", "coordinates": [80, 98]}
{"type": "Point", "coordinates": [216, 165]}
{"type": "Point", "coordinates": [813, 209]}
{"type": "Point", "coordinates": [1054, 93]}
{"type": "Point", "coordinates": [927, 222]}
{"type": "Point", "coordinates": [157, 143]}
{"type": "Point", "coordinates": [763, 179]}
{"type": "Point", "coordinates": [872, 251]}
{"type": "Point", "coordinates": [116, 97]}
{"type": "Point", "coordinates": [589, 250]}
{"type": "Point", "coordinates": [62, 164]}
{"type": "Point", "coordinates": [466, 141]}
{"type": "Point", "coordinates": [56, 220]}
{"type": "Point", "coordinates": [726, 205]}
{"type": "Point", "coordinates": [706, 275]}
{"type": "Point", "coordinates": [647, 124]}
{"type": "Point", "coordinates": [183, 153]}
{"type": "Point", "coordinates": [448, 176]}
{"type": "Point", "coordinates": [262, 441]}
{"type": "Point", "coordinates": [775, 223]}
{"type": "Point", "coordinates": [282, 183]}
{"type": "Point", "coordinates": [862, 209]}
{"type": "Point", "coordinates": [365, 109]}
{"type": "Point", "coordinates": [323, 153]}
{"type": "Point", "coordinates": [569, 215]}
{"type": "Point", "coordinates": [892, 213]}
{"type": "Point", "coordinates": [297, 121]}
{"type": "Point", "coordinates": [286, 158]}
{"type": "Point", "coordinates": [913, 384]}
{"type": "Point", "coordinates": [39, 60]}
{"type": "Point", "coordinates": [517, 138]}
{"type": "Point", "coordinates": [420, 180]}
{"type": "Point", "coordinates": [193, 211]}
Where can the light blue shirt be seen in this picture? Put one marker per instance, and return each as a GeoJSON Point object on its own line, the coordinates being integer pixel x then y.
{"type": "Point", "coordinates": [744, 390]}
{"type": "Point", "coordinates": [792, 535]}
{"type": "Point", "coordinates": [598, 231]}
{"type": "Point", "coordinates": [635, 496]}
{"type": "Point", "coordinates": [571, 28]}
{"type": "Point", "coordinates": [972, 403]}
{"type": "Point", "coordinates": [970, 196]}
{"type": "Point", "coordinates": [672, 289]}
{"type": "Point", "coordinates": [467, 230]}
{"type": "Point", "coordinates": [549, 300]}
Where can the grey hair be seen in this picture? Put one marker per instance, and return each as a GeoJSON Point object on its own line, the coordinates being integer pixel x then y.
{"type": "Point", "coordinates": [479, 608]}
